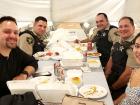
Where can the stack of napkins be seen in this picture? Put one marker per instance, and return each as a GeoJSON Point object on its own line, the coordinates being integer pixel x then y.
{"type": "Point", "coordinates": [55, 92]}
{"type": "Point", "coordinates": [22, 86]}
{"type": "Point", "coordinates": [72, 59]}
{"type": "Point", "coordinates": [72, 55]}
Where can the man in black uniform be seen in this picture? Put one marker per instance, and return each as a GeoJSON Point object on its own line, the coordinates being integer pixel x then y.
{"type": "Point", "coordinates": [103, 44]}
{"type": "Point", "coordinates": [116, 72]}
{"type": "Point", "coordinates": [14, 63]}
{"type": "Point", "coordinates": [32, 41]}
{"type": "Point", "coordinates": [104, 35]}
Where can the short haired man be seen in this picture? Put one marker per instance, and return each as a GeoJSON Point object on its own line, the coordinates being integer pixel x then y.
{"type": "Point", "coordinates": [14, 63]}
{"type": "Point", "coordinates": [31, 41]}
{"type": "Point", "coordinates": [118, 68]}
{"type": "Point", "coordinates": [104, 35]}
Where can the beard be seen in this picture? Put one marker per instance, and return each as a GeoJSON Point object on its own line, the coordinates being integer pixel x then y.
{"type": "Point", "coordinates": [11, 43]}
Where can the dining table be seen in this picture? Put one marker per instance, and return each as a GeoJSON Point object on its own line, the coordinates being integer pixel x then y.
{"type": "Point", "coordinates": [95, 76]}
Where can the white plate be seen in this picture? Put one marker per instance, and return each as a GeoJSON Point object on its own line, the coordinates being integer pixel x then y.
{"type": "Point", "coordinates": [42, 55]}
{"type": "Point", "coordinates": [56, 57]}
{"type": "Point", "coordinates": [93, 91]}
{"type": "Point", "coordinates": [41, 79]}
{"type": "Point", "coordinates": [94, 63]}
{"type": "Point", "coordinates": [93, 54]}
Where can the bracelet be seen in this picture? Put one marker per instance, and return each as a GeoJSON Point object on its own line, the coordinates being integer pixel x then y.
{"type": "Point", "coordinates": [25, 72]}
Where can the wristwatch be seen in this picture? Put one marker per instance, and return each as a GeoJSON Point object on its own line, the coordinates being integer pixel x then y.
{"type": "Point", "coordinates": [25, 72]}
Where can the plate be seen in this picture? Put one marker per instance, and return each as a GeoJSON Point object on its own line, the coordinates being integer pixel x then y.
{"type": "Point", "coordinates": [43, 55]}
{"type": "Point", "coordinates": [93, 91]}
{"type": "Point", "coordinates": [41, 80]}
{"type": "Point", "coordinates": [56, 57]}
{"type": "Point", "coordinates": [44, 73]}
{"type": "Point", "coordinates": [93, 63]}
{"type": "Point", "coordinates": [94, 54]}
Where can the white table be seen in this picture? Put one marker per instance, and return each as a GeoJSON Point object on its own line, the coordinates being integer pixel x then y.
{"type": "Point", "coordinates": [95, 77]}
{"type": "Point", "coordinates": [98, 78]}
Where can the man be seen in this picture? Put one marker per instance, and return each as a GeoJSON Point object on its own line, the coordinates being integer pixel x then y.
{"type": "Point", "coordinates": [131, 95]}
{"type": "Point", "coordinates": [103, 36]}
{"type": "Point", "coordinates": [118, 70]}
{"type": "Point", "coordinates": [14, 63]}
{"type": "Point", "coordinates": [32, 41]}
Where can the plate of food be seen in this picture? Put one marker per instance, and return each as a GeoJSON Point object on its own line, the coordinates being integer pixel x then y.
{"type": "Point", "coordinates": [43, 55]}
{"type": "Point", "coordinates": [94, 54]}
{"type": "Point", "coordinates": [41, 80]}
{"type": "Point", "coordinates": [93, 91]}
{"type": "Point", "coordinates": [56, 56]}
{"type": "Point", "coordinates": [94, 63]}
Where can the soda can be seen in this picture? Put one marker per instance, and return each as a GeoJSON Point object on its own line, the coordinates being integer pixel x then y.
{"type": "Point", "coordinates": [89, 46]}
{"type": "Point", "coordinates": [84, 56]}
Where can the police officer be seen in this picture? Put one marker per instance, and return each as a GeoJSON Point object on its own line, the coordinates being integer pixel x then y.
{"type": "Point", "coordinates": [31, 41]}
{"type": "Point", "coordinates": [116, 65]}
{"type": "Point", "coordinates": [104, 36]}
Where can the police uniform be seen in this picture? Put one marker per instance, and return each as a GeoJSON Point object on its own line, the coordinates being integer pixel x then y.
{"type": "Point", "coordinates": [119, 53]}
{"type": "Point", "coordinates": [112, 34]}
{"type": "Point", "coordinates": [31, 42]}
{"type": "Point", "coordinates": [104, 40]}
{"type": "Point", "coordinates": [131, 61]}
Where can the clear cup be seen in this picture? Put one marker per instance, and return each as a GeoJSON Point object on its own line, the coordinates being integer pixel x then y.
{"type": "Point", "coordinates": [74, 77]}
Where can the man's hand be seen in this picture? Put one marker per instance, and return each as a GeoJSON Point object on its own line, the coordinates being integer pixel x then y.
{"type": "Point", "coordinates": [21, 77]}
{"type": "Point", "coordinates": [77, 41]}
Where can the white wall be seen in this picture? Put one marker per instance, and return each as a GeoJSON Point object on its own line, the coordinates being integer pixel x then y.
{"type": "Point", "coordinates": [25, 10]}
{"type": "Point", "coordinates": [83, 10]}
{"type": "Point", "coordinates": [70, 10]}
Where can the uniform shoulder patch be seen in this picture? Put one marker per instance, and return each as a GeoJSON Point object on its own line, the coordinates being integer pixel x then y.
{"type": "Point", "coordinates": [30, 40]}
{"type": "Point", "coordinates": [116, 33]}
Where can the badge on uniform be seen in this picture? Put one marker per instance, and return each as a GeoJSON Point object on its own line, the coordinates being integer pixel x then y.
{"type": "Point", "coordinates": [30, 40]}
{"type": "Point", "coordinates": [116, 33]}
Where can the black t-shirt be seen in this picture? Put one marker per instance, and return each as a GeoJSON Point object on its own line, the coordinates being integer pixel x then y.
{"type": "Point", "coordinates": [12, 66]}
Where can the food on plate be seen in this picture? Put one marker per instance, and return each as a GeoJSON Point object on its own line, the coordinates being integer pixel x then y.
{"type": "Point", "coordinates": [93, 54]}
{"type": "Point", "coordinates": [41, 80]}
{"type": "Point", "coordinates": [44, 81]}
{"type": "Point", "coordinates": [78, 48]}
{"type": "Point", "coordinates": [49, 53]}
{"type": "Point", "coordinates": [76, 80]}
{"type": "Point", "coordinates": [43, 54]}
{"type": "Point", "coordinates": [92, 61]}
{"type": "Point", "coordinates": [91, 90]}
